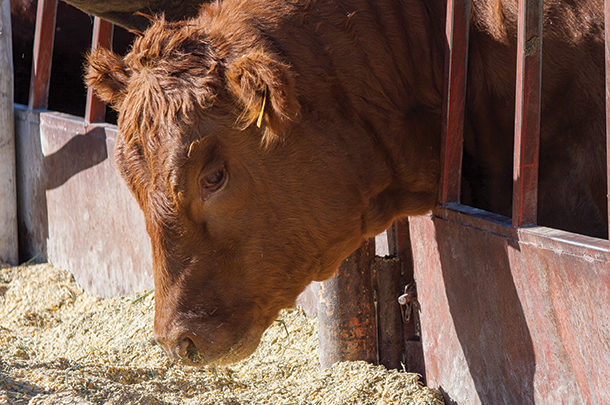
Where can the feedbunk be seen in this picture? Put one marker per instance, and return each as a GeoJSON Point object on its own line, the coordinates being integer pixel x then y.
{"type": "Point", "coordinates": [509, 312]}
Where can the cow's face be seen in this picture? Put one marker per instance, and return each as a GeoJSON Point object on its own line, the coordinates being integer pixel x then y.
{"type": "Point", "coordinates": [240, 218]}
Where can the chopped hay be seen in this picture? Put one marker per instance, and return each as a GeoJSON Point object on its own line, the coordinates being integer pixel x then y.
{"type": "Point", "coordinates": [59, 345]}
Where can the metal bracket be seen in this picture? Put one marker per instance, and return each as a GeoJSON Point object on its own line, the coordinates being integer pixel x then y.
{"type": "Point", "coordinates": [408, 302]}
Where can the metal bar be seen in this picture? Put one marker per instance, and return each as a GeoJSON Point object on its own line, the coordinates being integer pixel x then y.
{"type": "Point", "coordinates": [456, 67]}
{"type": "Point", "coordinates": [390, 339]}
{"type": "Point", "coordinates": [346, 311]}
{"type": "Point", "coordinates": [389, 275]}
{"type": "Point", "coordinates": [43, 54]}
{"type": "Point", "coordinates": [413, 350]}
{"type": "Point", "coordinates": [392, 236]}
{"type": "Point", "coordinates": [9, 250]}
{"type": "Point", "coordinates": [527, 112]}
{"type": "Point", "coordinates": [607, 42]}
{"type": "Point", "coordinates": [495, 224]}
{"type": "Point", "coordinates": [103, 30]}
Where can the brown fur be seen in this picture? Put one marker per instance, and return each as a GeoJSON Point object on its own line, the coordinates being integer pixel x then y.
{"type": "Point", "coordinates": [349, 141]}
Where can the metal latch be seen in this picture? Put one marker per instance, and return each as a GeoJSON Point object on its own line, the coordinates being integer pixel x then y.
{"type": "Point", "coordinates": [408, 302]}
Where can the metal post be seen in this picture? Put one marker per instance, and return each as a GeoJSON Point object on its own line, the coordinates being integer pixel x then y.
{"type": "Point", "coordinates": [413, 350]}
{"type": "Point", "coordinates": [8, 187]}
{"type": "Point", "coordinates": [527, 112]}
{"type": "Point", "coordinates": [389, 320]}
{"type": "Point", "coordinates": [346, 311]}
{"type": "Point", "coordinates": [95, 110]}
{"type": "Point", "coordinates": [456, 68]}
{"type": "Point", "coordinates": [43, 54]}
{"type": "Point", "coordinates": [607, 43]}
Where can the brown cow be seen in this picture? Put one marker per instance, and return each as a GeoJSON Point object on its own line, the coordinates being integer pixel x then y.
{"type": "Point", "coordinates": [266, 138]}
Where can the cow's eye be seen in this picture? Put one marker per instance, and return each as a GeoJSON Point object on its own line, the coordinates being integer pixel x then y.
{"type": "Point", "coordinates": [213, 181]}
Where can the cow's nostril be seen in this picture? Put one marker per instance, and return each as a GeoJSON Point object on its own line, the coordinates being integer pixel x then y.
{"type": "Point", "coordinates": [183, 347]}
{"type": "Point", "coordinates": [186, 350]}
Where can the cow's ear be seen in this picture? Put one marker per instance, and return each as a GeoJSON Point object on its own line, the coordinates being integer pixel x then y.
{"type": "Point", "coordinates": [265, 89]}
{"type": "Point", "coordinates": [108, 75]}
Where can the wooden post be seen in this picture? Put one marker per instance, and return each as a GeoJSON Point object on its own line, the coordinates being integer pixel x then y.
{"type": "Point", "coordinates": [8, 187]}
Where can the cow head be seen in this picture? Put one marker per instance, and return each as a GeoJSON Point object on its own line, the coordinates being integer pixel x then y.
{"type": "Point", "coordinates": [246, 201]}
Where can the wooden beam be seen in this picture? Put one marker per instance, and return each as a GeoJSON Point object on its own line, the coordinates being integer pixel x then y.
{"type": "Point", "coordinates": [527, 112]}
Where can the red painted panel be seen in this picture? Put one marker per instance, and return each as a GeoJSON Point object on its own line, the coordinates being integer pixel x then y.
{"type": "Point", "coordinates": [43, 54]}
{"type": "Point", "coordinates": [94, 226]}
{"type": "Point", "coordinates": [513, 316]}
{"type": "Point", "coordinates": [570, 297]}
{"type": "Point", "coordinates": [456, 61]}
{"type": "Point", "coordinates": [527, 112]}
{"type": "Point", "coordinates": [95, 110]}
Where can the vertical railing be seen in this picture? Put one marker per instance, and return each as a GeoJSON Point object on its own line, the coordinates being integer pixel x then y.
{"type": "Point", "coordinates": [456, 68]}
{"type": "Point", "coordinates": [9, 251]}
{"type": "Point", "coordinates": [607, 46]}
{"type": "Point", "coordinates": [95, 110]}
{"type": "Point", "coordinates": [527, 112]}
{"type": "Point", "coordinates": [43, 54]}
{"type": "Point", "coordinates": [527, 109]}
{"type": "Point", "coordinates": [44, 37]}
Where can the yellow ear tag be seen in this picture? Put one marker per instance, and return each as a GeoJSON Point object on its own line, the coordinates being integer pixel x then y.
{"type": "Point", "coordinates": [259, 121]}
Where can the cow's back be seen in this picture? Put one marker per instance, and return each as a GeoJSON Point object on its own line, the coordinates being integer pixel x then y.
{"type": "Point", "coordinates": [572, 194]}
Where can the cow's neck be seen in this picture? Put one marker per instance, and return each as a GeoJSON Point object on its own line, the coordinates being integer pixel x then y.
{"type": "Point", "coordinates": [383, 67]}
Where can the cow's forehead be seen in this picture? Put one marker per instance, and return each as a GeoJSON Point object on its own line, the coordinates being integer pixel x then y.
{"type": "Point", "coordinates": [172, 76]}
{"type": "Point", "coordinates": [161, 111]}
